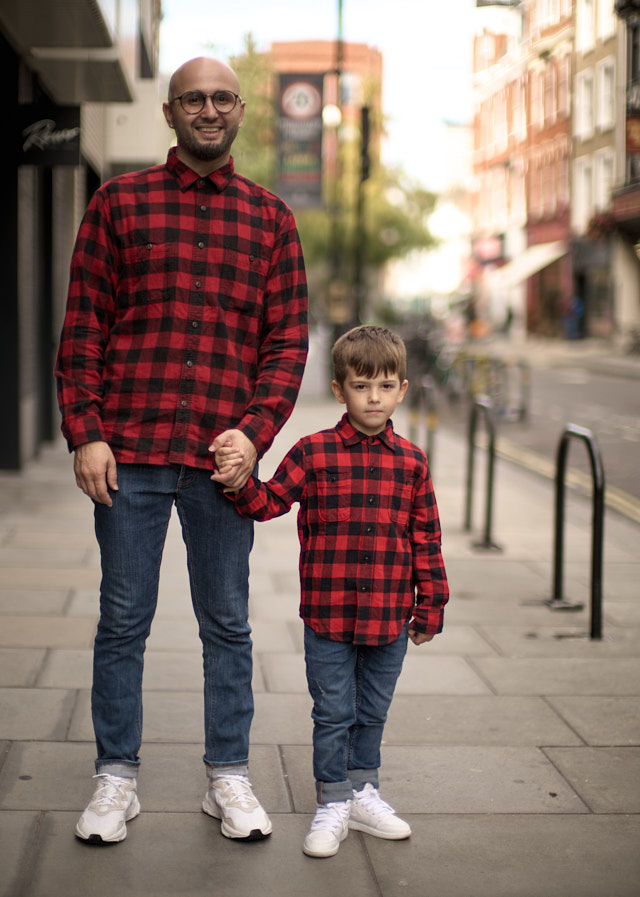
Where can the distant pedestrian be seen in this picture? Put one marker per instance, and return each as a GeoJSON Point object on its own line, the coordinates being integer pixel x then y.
{"type": "Point", "coordinates": [371, 575]}
{"type": "Point", "coordinates": [186, 318]}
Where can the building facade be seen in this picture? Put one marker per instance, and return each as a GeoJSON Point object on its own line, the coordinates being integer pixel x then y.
{"type": "Point", "coordinates": [63, 63]}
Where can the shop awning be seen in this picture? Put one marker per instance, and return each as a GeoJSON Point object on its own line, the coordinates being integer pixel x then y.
{"type": "Point", "coordinates": [533, 259]}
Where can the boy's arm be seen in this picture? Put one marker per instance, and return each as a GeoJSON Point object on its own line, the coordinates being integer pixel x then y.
{"type": "Point", "coordinates": [430, 578]}
{"type": "Point", "coordinates": [264, 501]}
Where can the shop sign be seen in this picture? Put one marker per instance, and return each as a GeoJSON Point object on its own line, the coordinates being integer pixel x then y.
{"type": "Point", "coordinates": [48, 135]}
{"type": "Point", "coordinates": [300, 140]}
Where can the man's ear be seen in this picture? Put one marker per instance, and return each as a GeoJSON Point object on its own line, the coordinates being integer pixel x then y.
{"type": "Point", "coordinates": [337, 391]}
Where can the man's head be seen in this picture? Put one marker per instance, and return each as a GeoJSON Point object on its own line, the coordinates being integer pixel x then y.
{"type": "Point", "coordinates": [205, 134]}
{"type": "Point", "coordinates": [369, 351]}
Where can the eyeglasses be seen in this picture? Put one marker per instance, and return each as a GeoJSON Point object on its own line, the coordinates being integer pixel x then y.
{"type": "Point", "coordinates": [193, 101]}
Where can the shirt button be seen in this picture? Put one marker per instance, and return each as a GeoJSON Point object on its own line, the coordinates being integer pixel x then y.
{"type": "Point", "coordinates": [369, 530]}
{"type": "Point", "coordinates": [195, 325]}
{"type": "Point", "coordinates": [149, 246]}
{"type": "Point", "coordinates": [372, 499]}
{"type": "Point", "coordinates": [200, 245]}
{"type": "Point", "coordinates": [184, 403]}
{"type": "Point", "coordinates": [201, 182]}
{"type": "Point", "coordinates": [189, 364]}
{"type": "Point", "coordinates": [203, 208]}
{"type": "Point", "coordinates": [366, 558]}
{"type": "Point", "coordinates": [372, 470]}
{"type": "Point", "coordinates": [198, 284]}
{"type": "Point", "coordinates": [364, 589]}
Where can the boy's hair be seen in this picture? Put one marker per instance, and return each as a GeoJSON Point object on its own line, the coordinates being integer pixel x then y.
{"type": "Point", "coordinates": [369, 351]}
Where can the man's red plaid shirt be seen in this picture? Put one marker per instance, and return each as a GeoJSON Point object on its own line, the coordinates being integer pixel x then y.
{"type": "Point", "coordinates": [369, 533]}
{"type": "Point", "coordinates": [186, 316]}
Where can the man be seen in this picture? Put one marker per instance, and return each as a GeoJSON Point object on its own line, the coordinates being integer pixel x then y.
{"type": "Point", "coordinates": [186, 320]}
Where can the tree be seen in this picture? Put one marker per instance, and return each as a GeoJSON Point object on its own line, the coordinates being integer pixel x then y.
{"type": "Point", "coordinates": [395, 208]}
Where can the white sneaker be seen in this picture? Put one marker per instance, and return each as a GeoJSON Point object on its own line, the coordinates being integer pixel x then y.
{"type": "Point", "coordinates": [114, 803]}
{"type": "Point", "coordinates": [330, 826]}
{"type": "Point", "coordinates": [372, 815]}
{"type": "Point", "coordinates": [231, 800]}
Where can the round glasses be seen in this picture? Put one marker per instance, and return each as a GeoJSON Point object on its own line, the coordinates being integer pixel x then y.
{"type": "Point", "coordinates": [193, 101]}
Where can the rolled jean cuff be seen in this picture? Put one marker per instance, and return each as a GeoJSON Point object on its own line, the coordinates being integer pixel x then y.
{"type": "Point", "coordinates": [226, 769]}
{"type": "Point", "coordinates": [122, 770]}
{"type": "Point", "coordinates": [361, 777]}
{"type": "Point", "coordinates": [333, 792]}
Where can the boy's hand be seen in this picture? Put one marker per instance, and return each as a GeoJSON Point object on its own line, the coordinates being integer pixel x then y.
{"type": "Point", "coordinates": [419, 638]}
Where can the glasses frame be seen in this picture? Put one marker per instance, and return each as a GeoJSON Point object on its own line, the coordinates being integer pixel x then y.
{"type": "Point", "coordinates": [205, 97]}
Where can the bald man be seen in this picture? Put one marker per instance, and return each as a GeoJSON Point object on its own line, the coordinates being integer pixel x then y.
{"type": "Point", "coordinates": [186, 320]}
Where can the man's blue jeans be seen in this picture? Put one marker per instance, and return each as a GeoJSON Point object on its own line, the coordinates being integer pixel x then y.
{"type": "Point", "coordinates": [131, 535]}
{"type": "Point", "coordinates": [352, 687]}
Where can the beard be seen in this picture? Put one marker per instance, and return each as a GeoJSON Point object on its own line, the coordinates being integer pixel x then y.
{"type": "Point", "coordinates": [206, 152]}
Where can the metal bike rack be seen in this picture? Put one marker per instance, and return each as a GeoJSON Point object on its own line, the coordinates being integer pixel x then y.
{"type": "Point", "coordinates": [483, 405]}
{"type": "Point", "coordinates": [558, 602]}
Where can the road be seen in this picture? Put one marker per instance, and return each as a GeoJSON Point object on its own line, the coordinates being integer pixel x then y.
{"type": "Point", "coordinates": [609, 406]}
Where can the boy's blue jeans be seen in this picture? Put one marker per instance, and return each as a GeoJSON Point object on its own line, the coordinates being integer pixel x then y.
{"type": "Point", "coordinates": [352, 687]}
{"type": "Point", "coordinates": [131, 535]}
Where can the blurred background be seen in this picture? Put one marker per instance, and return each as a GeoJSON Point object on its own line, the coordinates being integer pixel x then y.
{"type": "Point", "coordinates": [465, 172]}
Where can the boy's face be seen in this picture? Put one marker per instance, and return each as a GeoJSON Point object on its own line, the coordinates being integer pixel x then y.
{"type": "Point", "coordinates": [370, 401]}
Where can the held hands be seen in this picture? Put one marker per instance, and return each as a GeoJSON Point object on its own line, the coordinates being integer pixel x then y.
{"type": "Point", "coordinates": [235, 458]}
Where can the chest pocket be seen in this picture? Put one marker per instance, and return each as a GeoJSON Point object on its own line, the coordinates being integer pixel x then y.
{"type": "Point", "coordinates": [401, 497]}
{"type": "Point", "coordinates": [333, 488]}
{"type": "Point", "coordinates": [148, 273]}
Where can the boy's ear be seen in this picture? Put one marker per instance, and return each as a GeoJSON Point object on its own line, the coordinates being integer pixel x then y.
{"type": "Point", "coordinates": [337, 391]}
{"type": "Point", "coordinates": [403, 390]}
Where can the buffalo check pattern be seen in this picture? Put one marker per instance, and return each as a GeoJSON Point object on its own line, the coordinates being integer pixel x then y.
{"type": "Point", "coordinates": [186, 315]}
{"type": "Point", "coordinates": [369, 533]}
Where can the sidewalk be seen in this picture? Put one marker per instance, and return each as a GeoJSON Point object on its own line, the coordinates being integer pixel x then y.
{"type": "Point", "coordinates": [512, 747]}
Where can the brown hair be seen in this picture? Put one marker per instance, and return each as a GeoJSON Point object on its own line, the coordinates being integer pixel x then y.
{"type": "Point", "coordinates": [369, 351]}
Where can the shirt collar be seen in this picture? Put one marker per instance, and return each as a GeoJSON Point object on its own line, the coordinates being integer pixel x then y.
{"type": "Point", "coordinates": [351, 436]}
{"type": "Point", "coordinates": [187, 177]}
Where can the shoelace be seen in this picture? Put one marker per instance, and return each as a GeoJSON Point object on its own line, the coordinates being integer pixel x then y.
{"type": "Point", "coordinates": [330, 816]}
{"type": "Point", "coordinates": [110, 792]}
{"type": "Point", "coordinates": [373, 803]}
{"type": "Point", "coordinates": [238, 792]}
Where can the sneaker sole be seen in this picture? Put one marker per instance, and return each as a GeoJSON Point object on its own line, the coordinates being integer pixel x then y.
{"type": "Point", "coordinates": [255, 834]}
{"type": "Point", "coordinates": [369, 830]}
{"type": "Point", "coordinates": [120, 835]}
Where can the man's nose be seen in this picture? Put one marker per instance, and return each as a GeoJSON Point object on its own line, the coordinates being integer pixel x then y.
{"type": "Point", "coordinates": [208, 107]}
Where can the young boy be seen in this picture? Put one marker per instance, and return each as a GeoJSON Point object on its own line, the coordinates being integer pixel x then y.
{"type": "Point", "coordinates": [371, 575]}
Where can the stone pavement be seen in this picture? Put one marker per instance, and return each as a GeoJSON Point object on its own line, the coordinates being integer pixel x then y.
{"type": "Point", "coordinates": [512, 746]}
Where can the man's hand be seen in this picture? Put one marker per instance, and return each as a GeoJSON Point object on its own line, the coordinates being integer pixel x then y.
{"type": "Point", "coordinates": [95, 468]}
{"type": "Point", "coordinates": [244, 455]}
{"type": "Point", "coordinates": [419, 638]}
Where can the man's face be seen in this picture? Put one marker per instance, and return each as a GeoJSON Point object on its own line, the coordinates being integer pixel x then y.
{"type": "Point", "coordinates": [204, 138]}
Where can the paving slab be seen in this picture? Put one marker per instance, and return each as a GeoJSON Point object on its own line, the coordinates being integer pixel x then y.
{"type": "Point", "coordinates": [561, 676]}
{"type": "Point", "coordinates": [40, 602]}
{"type": "Point", "coordinates": [453, 779]}
{"type": "Point", "coordinates": [165, 855]}
{"type": "Point", "coordinates": [564, 641]}
{"type": "Point", "coordinates": [604, 721]}
{"type": "Point", "coordinates": [607, 779]}
{"type": "Point", "coordinates": [510, 856]}
{"type": "Point", "coordinates": [476, 720]}
{"type": "Point", "coordinates": [17, 833]}
{"type": "Point", "coordinates": [35, 713]}
{"type": "Point", "coordinates": [32, 631]}
{"type": "Point", "coordinates": [20, 666]}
